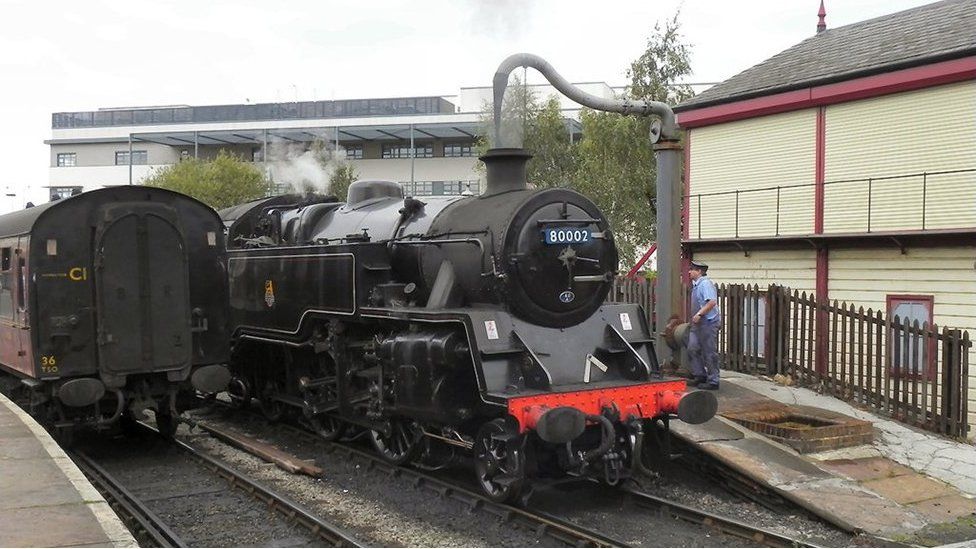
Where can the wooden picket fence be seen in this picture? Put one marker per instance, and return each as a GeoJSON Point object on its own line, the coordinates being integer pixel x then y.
{"type": "Point", "coordinates": [915, 373]}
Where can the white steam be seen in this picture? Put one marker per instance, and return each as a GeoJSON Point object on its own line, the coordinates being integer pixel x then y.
{"type": "Point", "coordinates": [304, 170]}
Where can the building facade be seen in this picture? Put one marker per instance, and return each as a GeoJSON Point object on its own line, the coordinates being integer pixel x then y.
{"type": "Point", "coordinates": [427, 144]}
{"type": "Point", "coordinates": [845, 167]}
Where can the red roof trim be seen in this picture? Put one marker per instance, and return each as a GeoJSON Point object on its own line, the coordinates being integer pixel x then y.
{"type": "Point", "coordinates": [914, 78]}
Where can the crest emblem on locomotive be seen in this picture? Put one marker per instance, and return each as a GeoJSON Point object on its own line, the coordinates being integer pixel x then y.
{"type": "Point", "coordinates": [269, 297]}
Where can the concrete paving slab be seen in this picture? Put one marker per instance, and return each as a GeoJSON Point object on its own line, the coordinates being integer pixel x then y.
{"type": "Point", "coordinates": [866, 469]}
{"type": "Point", "coordinates": [75, 524]}
{"type": "Point", "coordinates": [22, 491]}
{"type": "Point", "coordinates": [910, 488]}
{"type": "Point", "coordinates": [946, 508]}
{"type": "Point", "coordinates": [760, 459]}
{"type": "Point", "coordinates": [714, 429]}
{"type": "Point", "coordinates": [35, 471]}
{"type": "Point", "coordinates": [842, 501]}
{"type": "Point", "coordinates": [21, 447]}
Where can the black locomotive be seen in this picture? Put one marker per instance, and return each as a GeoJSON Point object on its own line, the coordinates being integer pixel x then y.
{"type": "Point", "coordinates": [478, 322]}
{"type": "Point", "coordinates": [112, 302]}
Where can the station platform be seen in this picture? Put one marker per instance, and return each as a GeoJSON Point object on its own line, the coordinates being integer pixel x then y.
{"type": "Point", "coordinates": [45, 500]}
{"type": "Point", "coordinates": [903, 485]}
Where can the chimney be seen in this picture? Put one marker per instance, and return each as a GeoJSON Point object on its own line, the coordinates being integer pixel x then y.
{"type": "Point", "coordinates": [822, 24]}
{"type": "Point", "coordinates": [505, 169]}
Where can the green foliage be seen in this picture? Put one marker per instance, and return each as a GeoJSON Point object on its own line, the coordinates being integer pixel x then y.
{"type": "Point", "coordinates": [554, 156]}
{"type": "Point", "coordinates": [342, 176]}
{"type": "Point", "coordinates": [224, 181]}
{"type": "Point", "coordinates": [616, 171]}
{"type": "Point", "coordinates": [665, 61]}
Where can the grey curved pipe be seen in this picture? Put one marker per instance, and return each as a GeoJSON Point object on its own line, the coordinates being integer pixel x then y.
{"type": "Point", "coordinates": [622, 106]}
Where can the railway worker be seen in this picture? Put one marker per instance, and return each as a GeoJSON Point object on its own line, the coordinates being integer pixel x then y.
{"type": "Point", "coordinates": [705, 321]}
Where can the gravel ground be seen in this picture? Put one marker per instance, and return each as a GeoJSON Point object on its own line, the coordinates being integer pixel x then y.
{"type": "Point", "coordinates": [378, 509]}
{"type": "Point", "coordinates": [389, 511]}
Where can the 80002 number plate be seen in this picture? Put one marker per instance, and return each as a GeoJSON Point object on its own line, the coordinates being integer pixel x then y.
{"type": "Point", "coordinates": [565, 235]}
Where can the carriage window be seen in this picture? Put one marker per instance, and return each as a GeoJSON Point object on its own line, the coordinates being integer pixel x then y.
{"type": "Point", "coordinates": [22, 282]}
{"type": "Point", "coordinates": [6, 286]}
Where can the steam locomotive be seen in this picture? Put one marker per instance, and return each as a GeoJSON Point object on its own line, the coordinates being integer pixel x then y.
{"type": "Point", "coordinates": [476, 322]}
{"type": "Point", "coordinates": [112, 302]}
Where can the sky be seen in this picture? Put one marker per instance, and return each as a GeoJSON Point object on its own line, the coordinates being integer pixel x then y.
{"type": "Point", "coordinates": [69, 56]}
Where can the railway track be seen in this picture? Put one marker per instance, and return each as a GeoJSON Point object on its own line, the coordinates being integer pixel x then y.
{"type": "Point", "coordinates": [194, 493]}
{"type": "Point", "coordinates": [531, 521]}
{"type": "Point", "coordinates": [550, 525]}
{"type": "Point", "coordinates": [725, 525]}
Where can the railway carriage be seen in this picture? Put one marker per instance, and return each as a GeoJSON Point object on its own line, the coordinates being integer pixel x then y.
{"type": "Point", "coordinates": [111, 302]}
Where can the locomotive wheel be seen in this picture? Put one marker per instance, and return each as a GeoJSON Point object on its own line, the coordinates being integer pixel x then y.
{"type": "Point", "coordinates": [498, 465]}
{"type": "Point", "coordinates": [239, 393]}
{"type": "Point", "coordinates": [272, 409]}
{"type": "Point", "coordinates": [401, 445]}
{"type": "Point", "coordinates": [328, 427]}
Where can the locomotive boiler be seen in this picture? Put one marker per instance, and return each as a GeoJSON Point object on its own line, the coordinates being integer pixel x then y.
{"type": "Point", "coordinates": [112, 302]}
{"type": "Point", "coordinates": [475, 323]}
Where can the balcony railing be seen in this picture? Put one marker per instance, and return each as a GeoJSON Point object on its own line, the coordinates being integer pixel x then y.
{"type": "Point", "coordinates": [917, 201]}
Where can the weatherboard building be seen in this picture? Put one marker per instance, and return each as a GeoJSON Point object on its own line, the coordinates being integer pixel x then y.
{"type": "Point", "coordinates": [845, 167]}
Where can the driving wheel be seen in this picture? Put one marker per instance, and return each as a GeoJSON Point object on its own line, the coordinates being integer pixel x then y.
{"type": "Point", "coordinates": [499, 461]}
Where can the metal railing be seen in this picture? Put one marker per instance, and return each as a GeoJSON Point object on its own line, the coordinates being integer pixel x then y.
{"type": "Point", "coordinates": [780, 194]}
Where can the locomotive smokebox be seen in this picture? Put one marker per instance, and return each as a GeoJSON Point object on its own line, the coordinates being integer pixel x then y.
{"type": "Point", "coordinates": [505, 169]}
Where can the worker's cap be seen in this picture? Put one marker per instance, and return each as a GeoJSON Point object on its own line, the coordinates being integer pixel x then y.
{"type": "Point", "coordinates": [698, 265]}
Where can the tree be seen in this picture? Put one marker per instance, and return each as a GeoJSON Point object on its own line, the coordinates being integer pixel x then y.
{"type": "Point", "coordinates": [554, 155]}
{"type": "Point", "coordinates": [224, 181]}
{"type": "Point", "coordinates": [616, 165]}
{"type": "Point", "coordinates": [616, 171]}
{"type": "Point", "coordinates": [342, 176]}
{"type": "Point", "coordinates": [666, 59]}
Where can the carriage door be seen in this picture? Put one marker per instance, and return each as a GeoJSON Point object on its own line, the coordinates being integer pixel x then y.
{"type": "Point", "coordinates": [142, 290]}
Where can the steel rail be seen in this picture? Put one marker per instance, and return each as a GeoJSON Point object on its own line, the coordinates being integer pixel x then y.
{"type": "Point", "coordinates": [333, 535]}
{"type": "Point", "coordinates": [723, 524]}
{"type": "Point", "coordinates": [132, 507]}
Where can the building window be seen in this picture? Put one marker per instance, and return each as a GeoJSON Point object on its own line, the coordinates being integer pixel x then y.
{"type": "Point", "coordinates": [138, 158]}
{"type": "Point", "coordinates": [912, 354]}
{"type": "Point", "coordinates": [403, 151]}
{"type": "Point", "coordinates": [418, 188]}
{"type": "Point", "coordinates": [354, 152]}
{"type": "Point", "coordinates": [66, 160]}
{"type": "Point", "coordinates": [57, 193]}
{"type": "Point", "coordinates": [457, 150]}
{"type": "Point", "coordinates": [441, 188]}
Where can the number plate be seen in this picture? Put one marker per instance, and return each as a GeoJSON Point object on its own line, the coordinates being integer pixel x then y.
{"type": "Point", "coordinates": [566, 235]}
